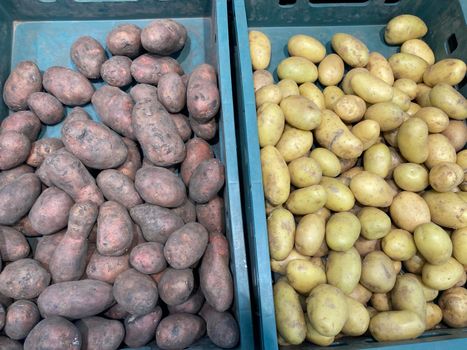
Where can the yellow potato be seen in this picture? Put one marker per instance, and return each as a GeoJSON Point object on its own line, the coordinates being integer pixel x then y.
{"type": "Point", "coordinates": [396, 325]}
{"type": "Point", "coordinates": [459, 244]}
{"type": "Point", "coordinates": [304, 172]}
{"type": "Point", "coordinates": [288, 88]}
{"type": "Point", "coordinates": [408, 66]}
{"type": "Point", "coordinates": [298, 69]}
{"type": "Point", "coordinates": [439, 150]}
{"type": "Point", "coordinates": [342, 230]}
{"type": "Point", "coordinates": [423, 95]}
{"type": "Point", "coordinates": [401, 99]}
{"type": "Point", "coordinates": [435, 118]}
{"type": "Point", "coordinates": [303, 275]}
{"type": "Point", "coordinates": [349, 174]}
{"type": "Point", "coordinates": [381, 302]}
{"type": "Point", "coordinates": [444, 276]}
{"type": "Point", "coordinates": [380, 68]}
{"type": "Point", "coordinates": [449, 71]}
{"type": "Point", "coordinates": [412, 140]}
{"type": "Point", "coordinates": [371, 190]}
{"type": "Point", "coordinates": [388, 115]}
{"type": "Point", "coordinates": [276, 178]}
{"type": "Point", "coordinates": [331, 95]}
{"type": "Point", "coordinates": [414, 108]}
{"type": "Point", "coordinates": [377, 160]}
{"type": "Point", "coordinates": [448, 99]}
{"type": "Point", "coordinates": [447, 209]}
{"type": "Point", "coordinates": [343, 269]}
{"type": "Point", "coordinates": [415, 264]}
{"type": "Point", "coordinates": [378, 274]}
{"type": "Point", "coordinates": [359, 319]}
{"type": "Point", "coordinates": [324, 213]}
{"type": "Point", "coordinates": [456, 132]}
{"type": "Point", "coordinates": [411, 177]}
{"type": "Point", "coordinates": [453, 304]}
{"type": "Point", "coordinates": [396, 160]}
{"type": "Point", "coordinates": [347, 164]}
{"type": "Point", "coordinates": [433, 243]}
{"type": "Point", "coordinates": [327, 161]}
{"type": "Point", "coordinates": [331, 70]}
{"type": "Point", "coordinates": [281, 231]}
{"type": "Point", "coordinates": [430, 294]}
{"type": "Point", "coordinates": [367, 131]}
{"type": "Point", "coordinates": [307, 200]}
{"type": "Point", "coordinates": [280, 266]}
{"type": "Point", "coordinates": [371, 88]}
{"type": "Point", "coordinates": [314, 337]}
{"type": "Point", "coordinates": [290, 318]}
{"type": "Point", "coordinates": [399, 245]}
{"type": "Point", "coordinates": [345, 84]}
{"type": "Point", "coordinates": [327, 309]}
{"type": "Point", "coordinates": [407, 294]}
{"type": "Point", "coordinates": [434, 315]}
{"type": "Point", "coordinates": [404, 27]}
{"type": "Point", "coordinates": [339, 196]}
{"type": "Point", "coordinates": [313, 93]}
{"type": "Point", "coordinates": [350, 49]}
{"type": "Point", "coordinates": [419, 48]}
{"type": "Point", "coordinates": [271, 123]}
{"type": "Point", "coordinates": [350, 108]}
{"type": "Point", "coordinates": [446, 176]}
{"type": "Point", "coordinates": [269, 93]}
{"type": "Point", "coordinates": [333, 134]}
{"type": "Point", "coordinates": [309, 234]}
{"type": "Point", "coordinates": [269, 207]}
{"type": "Point", "coordinates": [306, 46]}
{"type": "Point", "coordinates": [300, 112]}
{"type": "Point", "coordinates": [407, 86]}
{"type": "Point", "coordinates": [294, 143]}
{"type": "Point", "coordinates": [360, 294]}
{"type": "Point", "coordinates": [365, 246]}
{"type": "Point", "coordinates": [262, 78]}
{"type": "Point", "coordinates": [260, 49]}
{"type": "Point", "coordinates": [408, 210]}
{"type": "Point", "coordinates": [371, 311]}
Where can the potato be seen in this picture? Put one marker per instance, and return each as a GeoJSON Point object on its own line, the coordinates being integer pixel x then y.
{"type": "Point", "coordinates": [206, 181]}
{"type": "Point", "coordinates": [412, 139]}
{"type": "Point", "coordinates": [343, 269]}
{"type": "Point", "coordinates": [260, 49]}
{"type": "Point", "coordinates": [24, 80]}
{"type": "Point", "coordinates": [21, 318]}
{"type": "Point", "coordinates": [379, 67]}
{"type": "Point", "coordinates": [88, 55]}
{"type": "Point", "coordinates": [435, 118]}
{"type": "Point", "coordinates": [404, 27]}
{"type": "Point", "coordinates": [40, 149]}
{"type": "Point", "coordinates": [197, 150]}
{"type": "Point", "coordinates": [371, 88]}
{"type": "Point", "coordinates": [163, 37]}
{"type": "Point", "coordinates": [306, 46]}
{"type": "Point", "coordinates": [453, 303]}
{"type": "Point", "coordinates": [298, 69]}
{"type": "Point", "coordinates": [46, 107]}
{"type": "Point", "coordinates": [456, 132]}
{"type": "Point", "coordinates": [401, 99]}
{"type": "Point", "coordinates": [414, 108]}
{"type": "Point", "coordinates": [192, 305]}
{"type": "Point", "coordinates": [116, 71]}
{"type": "Point", "coordinates": [176, 286]}
{"type": "Point", "coordinates": [415, 264]}
{"type": "Point", "coordinates": [182, 124]}
{"type": "Point", "coordinates": [289, 315]}
{"type": "Point", "coordinates": [288, 88]}
{"type": "Point", "coordinates": [378, 274]}
{"type": "Point", "coordinates": [23, 279]}
{"type": "Point", "coordinates": [306, 200]}
{"type": "Point", "coordinates": [268, 94]}
{"type": "Point", "coordinates": [333, 134]}
{"type": "Point", "coordinates": [202, 95]}
{"type": "Point", "coordinates": [371, 190]}
{"type": "Point", "coordinates": [439, 150]}
{"type": "Point", "coordinates": [396, 325]}
{"type": "Point", "coordinates": [407, 294]}
{"type": "Point", "coordinates": [345, 84]}
{"type": "Point", "coordinates": [367, 131]}
{"type": "Point", "coordinates": [171, 92]}
{"type": "Point", "coordinates": [148, 68]}
{"type": "Point", "coordinates": [446, 176]}
{"type": "Point", "coordinates": [429, 293]}
{"type": "Point", "coordinates": [221, 327]}
{"type": "Point", "coordinates": [459, 244]}
{"type": "Point", "coordinates": [350, 108]}
{"type": "Point", "coordinates": [408, 210]}
{"type": "Point", "coordinates": [434, 315]}
{"type": "Point", "coordinates": [447, 209]}
{"type": "Point", "coordinates": [270, 124]}
{"type": "Point", "coordinates": [140, 330]}
{"type": "Point", "coordinates": [45, 248]}
{"type": "Point", "coordinates": [328, 162]}
{"type": "Point", "coordinates": [262, 78]}
{"type": "Point", "coordinates": [118, 187]}
{"type": "Point", "coordinates": [423, 95]}
{"type": "Point", "coordinates": [360, 294]}
{"type": "Point", "coordinates": [179, 331]}
{"type": "Point", "coordinates": [350, 49]}
{"type": "Point", "coordinates": [106, 268]}
{"type": "Point", "coordinates": [399, 245]}
{"type": "Point", "coordinates": [377, 160]}
{"type": "Point", "coordinates": [449, 71]}
{"type": "Point", "coordinates": [365, 246]}
{"type": "Point", "coordinates": [54, 333]}
{"type": "Point", "coordinates": [206, 131]}
{"type": "Point", "coordinates": [313, 93]}
{"type": "Point", "coordinates": [339, 196]}
{"type": "Point", "coordinates": [300, 112]}
{"type": "Point", "coordinates": [446, 98]}
{"type": "Point", "coordinates": [210, 215]}
{"type": "Point", "coordinates": [276, 178]}
{"type": "Point", "coordinates": [359, 319]}
{"type": "Point", "coordinates": [443, 276]}
{"type": "Point", "coordinates": [316, 338]}
{"type": "Point", "coordinates": [418, 48]}
{"type": "Point", "coordinates": [408, 66]}
{"type": "Point", "coordinates": [281, 231]}
{"type": "Point", "coordinates": [141, 92]}
{"type": "Point", "coordinates": [14, 149]}
{"type": "Point", "coordinates": [331, 70]}
{"type": "Point", "coordinates": [100, 333]}
{"type": "Point", "coordinates": [388, 115]}
{"type": "Point", "coordinates": [381, 302]}
{"type": "Point", "coordinates": [309, 235]}
{"type": "Point", "coordinates": [342, 230]}
{"type": "Point", "coordinates": [125, 40]}
{"type": "Point", "coordinates": [49, 213]}
{"type": "Point", "coordinates": [304, 275]}
{"type": "Point", "coordinates": [304, 171]}
{"type": "Point", "coordinates": [407, 86]}
{"type": "Point", "coordinates": [331, 95]}
{"type": "Point", "coordinates": [23, 122]}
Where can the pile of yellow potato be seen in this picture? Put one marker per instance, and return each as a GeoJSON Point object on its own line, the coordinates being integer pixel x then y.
{"type": "Point", "coordinates": [365, 186]}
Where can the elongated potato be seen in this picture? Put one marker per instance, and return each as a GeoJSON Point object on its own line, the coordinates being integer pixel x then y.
{"type": "Point", "coordinates": [24, 80]}
{"type": "Point", "coordinates": [298, 69]}
{"type": "Point", "coordinates": [449, 71]}
{"type": "Point", "coordinates": [307, 200]}
{"type": "Point", "coordinates": [406, 65]}
{"type": "Point", "coordinates": [206, 181]}
{"type": "Point", "coordinates": [448, 99]}
{"type": "Point", "coordinates": [260, 49]}
{"type": "Point", "coordinates": [281, 231]}
{"type": "Point", "coordinates": [149, 68]}
{"type": "Point", "coordinates": [106, 268]}
{"type": "Point", "coordinates": [371, 88]}
{"type": "Point", "coordinates": [407, 294]}
{"type": "Point", "coordinates": [309, 235]}
{"type": "Point", "coordinates": [413, 140]}
{"type": "Point", "coordinates": [350, 49]}
{"type": "Point", "coordinates": [140, 330]}
{"type": "Point", "coordinates": [54, 333]}
{"type": "Point", "coordinates": [443, 276]}
{"type": "Point", "coordinates": [447, 209]}
{"type": "Point", "coordinates": [118, 187]}
{"type": "Point", "coordinates": [371, 190]}
{"type": "Point", "coordinates": [202, 95]}
{"type": "Point", "coordinates": [306, 46]}
{"type": "Point", "coordinates": [380, 67]}
{"type": "Point", "coordinates": [343, 269]}
{"type": "Point", "coordinates": [300, 112]}
{"type": "Point", "coordinates": [404, 27]}
{"type": "Point", "coordinates": [276, 177]}
{"type": "Point", "coordinates": [418, 48]}
{"type": "Point", "coordinates": [331, 70]}
{"type": "Point", "coordinates": [396, 325]}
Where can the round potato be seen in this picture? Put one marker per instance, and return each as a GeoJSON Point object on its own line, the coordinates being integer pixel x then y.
{"type": "Point", "coordinates": [378, 273]}
{"type": "Point", "coordinates": [456, 132]}
{"type": "Point", "coordinates": [276, 177]}
{"type": "Point", "coordinates": [281, 231]}
{"type": "Point", "coordinates": [314, 337]}
{"type": "Point", "coordinates": [419, 48]}
{"type": "Point", "coordinates": [380, 68]}
{"type": "Point", "coordinates": [163, 37]}
{"type": "Point", "coordinates": [339, 196]}
{"type": "Point", "coordinates": [446, 176]}
{"type": "Point", "coordinates": [388, 115]}
{"type": "Point", "coordinates": [294, 143]}
{"type": "Point", "coordinates": [268, 93]}
{"type": "Point", "coordinates": [449, 71]}
{"type": "Point", "coordinates": [350, 49]}
{"type": "Point", "coordinates": [434, 315]}
{"type": "Point", "coordinates": [288, 88]}
{"type": "Point", "coordinates": [408, 210]}
{"type": "Point", "coordinates": [406, 65]}
{"type": "Point", "coordinates": [309, 235]}
{"type": "Point", "coordinates": [260, 49]}
{"type": "Point", "coordinates": [404, 27]}
{"type": "Point", "coordinates": [412, 140]}
{"type": "Point", "coordinates": [304, 275]}
{"type": "Point", "coordinates": [343, 269]}
{"type": "Point", "coordinates": [54, 333]}
{"type": "Point", "coordinates": [443, 276]}
{"type": "Point", "coordinates": [350, 108]}
{"type": "Point", "coordinates": [399, 245]}
{"type": "Point", "coordinates": [21, 318]}
{"type": "Point", "coordinates": [342, 230]}
{"type": "Point", "coordinates": [359, 319]}
{"type": "Point", "coordinates": [300, 112]}
{"type": "Point", "coordinates": [304, 172]}
{"type": "Point", "coordinates": [331, 70]}
{"type": "Point", "coordinates": [433, 243]}
{"type": "Point", "coordinates": [298, 69]}
{"type": "Point", "coordinates": [453, 303]}
{"type": "Point", "coordinates": [371, 190]}
{"type": "Point", "coordinates": [411, 177]}
{"type": "Point", "coordinates": [331, 95]}
{"type": "Point", "coordinates": [306, 46]}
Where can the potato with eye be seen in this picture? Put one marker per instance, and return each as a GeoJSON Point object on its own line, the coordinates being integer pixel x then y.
{"type": "Point", "coordinates": [331, 70]}
{"type": "Point", "coordinates": [380, 68]}
{"type": "Point", "coordinates": [350, 108]}
{"type": "Point", "coordinates": [446, 176]}
{"type": "Point", "coordinates": [350, 49]}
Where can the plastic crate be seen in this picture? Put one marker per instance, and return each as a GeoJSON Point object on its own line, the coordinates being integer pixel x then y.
{"type": "Point", "coordinates": [44, 30]}
{"type": "Point", "coordinates": [366, 19]}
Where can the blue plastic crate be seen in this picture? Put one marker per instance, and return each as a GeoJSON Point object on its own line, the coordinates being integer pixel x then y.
{"type": "Point", "coordinates": [44, 30]}
{"type": "Point", "coordinates": [366, 19]}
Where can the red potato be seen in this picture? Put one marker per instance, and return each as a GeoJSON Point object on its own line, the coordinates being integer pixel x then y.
{"type": "Point", "coordinates": [116, 312]}
{"type": "Point", "coordinates": [206, 131]}
{"type": "Point", "coordinates": [69, 259]}
{"type": "Point", "coordinates": [148, 258]}
{"type": "Point", "coordinates": [8, 176]}
{"type": "Point", "coordinates": [25, 227]}
{"type": "Point", "coordinates": [2, 316]}
{"type": "Point", "coordinates": [163, 37]}
{"type": "Point", "coordinates": [182, 125]}
{"type": "Point", "coordinates": [63, 170]}
{"type": "Point", "coordinates": [116, 71]}
{"type": "Point", "coordinates": [106, 268]}
{"type": "Point", "coordinates": [197, 150]}
{"type": "Point", "coordinates": [133, 160]}
{"type": "Point", "coordinates": [5, 301]}
{"type": "Point", "coordinates": [186, 246]}
{"type": "Point", "coordinates": [88, 55]}
{"type": "Point", "coordinates": [24, 80]}
{"type": "Point", "coordinates": [78, 299]}
{"type": "Point", "coordinates": [211, 215]}
{"type": "Point", "coordinates": [185, 78]}
{"type": "Point", "coordinates": [10, 344]}
{"type": "Point", "coordinates": [125, 40]}
{"type": "Point", "coordinates": [160, 186]}
{"type": "Point", "coordinates": [40, 149]}
{"type": "Point", "coordinates": [187, 211]}
{"type": "Point", "coordinates": [139, 330]}
{"type": "Point", "coordinates": [24, 122]}
{"type": "Point", "coordinates": [192, 305]}
{"type": "Point", "coordinates": [141, 92]}
{"type": "Point", "coordinates": [206, 181]}
{"type": "Point", "coordinates": [14, 149]}
{"type": "Point", "coordinates": [157, 134]}
{"type": "Point", "coordinates": [118, 187]}
{"type": "Point", "coordinates": [179, 331]}
{"type": "Point", "coordinates": [77, 113]}
{"type": "Point", "coordinates": [46, 246]}
{"type": "Point", "coordinates": [98, 333]}
{"type": "Point", "coordinates": [18, 197]}
{"type": "Point", "coordinates": [69, 87]}
{"type": "Point", "coordinates": [21, 318]}
{"type": "Point", "coordinates": [135, 292]}
{"type": "Point", "coordinates": [114, 107]}
{"type": "Point", "coordinates": [171, 92]}
{"type": "Point", "coordinates": [176, 286]}
{"type": "Point", "coordinates": [46, 107]}
{"type": "Point", "coordinates": [23, 279]}
{"type": "Point", "coordinates": [156, 223]}
{"type": "Point", "coordinates": [203, 99]}
{"type": "Point", "coordinates": [114, 229]}
{"type": "Point", "coordinates": [49, 213]}
{"type": "Point", "coordinates": [214, 274]}
{"type": "Point", "coordinates": [148, 69]}
{"type": "Point", "coordinates": [204, 72]}
{"type": "Point", "coordinates": [53, 333]}
{"type": "Point", "coordinates": [221, 327]}
{"type": "Point", "coordinates": [13, 245]}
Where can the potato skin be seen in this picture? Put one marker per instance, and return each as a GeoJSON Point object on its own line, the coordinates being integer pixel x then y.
{"type": "Point", "coordinates": [203, 99]}
{"type": "Point", "coordinates": [13, 245]}
{"type": "Point", "coordinates": [221, 327]}
{"type": "Point", "coordinates": [54, 333]}
{"type": "Point", "coordinates": [197, 150]}
{"type": "Point", "coordinates": [396, 325]}
{"type": "Point", "coordinates": [88, 55]}
{"type": "Point", "coordinates": [133, 160]}
{"type": "Point", "coordinates": [9, 344]}
{"type": "Point", "coordinates": [9, 176]}
{"type": "Point", "coordinates": [148, 258]}
{"type": "Point", "coordinates": [46, 246]}
{"type": "Point", "coordinates": [206, 131]}
{"type": "Point", "coordinates": [40, 149]}
{"type": "Point", "coordinates": [171, 92]}
{"type": "Point", "coordinates": [182, 124]}
{"type": "Point", "coordinates": [163, 37]}
{"type": "Point", "coordinates": [116, 312]}
{"type": "Point", "coordinates": [148, 69]}
{"type": "Point", "coordinates": [118, 187]}
{"type": "Point", "coordinates": [114, 229]}
{"type": "Point", "coordinates": [211, 215]}
{"type": "Point", "coordinates": [116, 71]}
{"type": "Point", "coordinates": [14, 149]}
{"type": "Point", "coordinates": [125, 40]}
{"type": "Point", "coordinates": [47, 107]}
{"type": "Point", "coordinates": [24, 122]}
{"type": "Point", "coordinates": [141, 92]}
{"type": "Point", "coordinates": [179, 331]}
{"type": "Point", "coordinates": [206, 181]}
{"type": "Point", "coordinates": [98, 333]}
{"type": "Point", "coordinates": [24, 80]}
{"type": "Point", "coordinates": [21, 318]}
{"type": "Point", "coordinates": [187, 211]}
{"type": "Point", "coordinates": [23, 279]}
{"type": "Point", "coordinates": [140, 330]}
{"type": "Point", "coordinates": [175, 286]}
{"type": "Point", "coordinates": [192, 305]}
{"type": "Point", "coordinates": [453, 303]}
{"type": "Point", "coordinates": [106, 268]}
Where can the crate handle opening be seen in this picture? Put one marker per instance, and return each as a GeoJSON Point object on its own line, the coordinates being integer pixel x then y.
{"type": "Point", "coordinates": [287, 3]}
{"type": "Point", "coordinates": [331, 2]}
{"type": "Point", "coordinates": [391, 2]}
{"type": "Point", "coordinates": [451, 43]}
{"type": "Point", "coordinates": [47, 1]}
